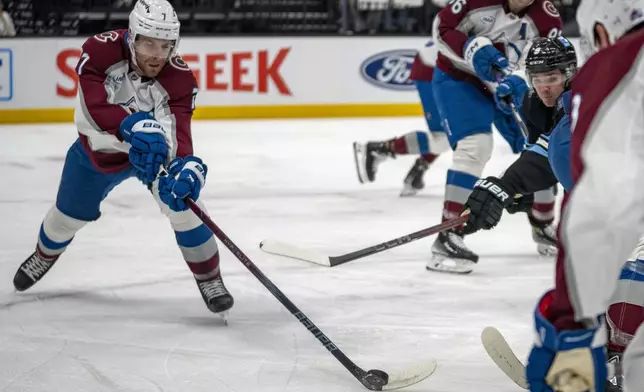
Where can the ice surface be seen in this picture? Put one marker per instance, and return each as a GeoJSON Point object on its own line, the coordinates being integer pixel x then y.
{"type": "Point", "coordinates": [121, 312]}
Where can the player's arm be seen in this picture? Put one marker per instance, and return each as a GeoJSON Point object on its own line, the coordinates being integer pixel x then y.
{"type": "Point", "coordinates": [175, 114]}
{"type": "Point", "coordinates": [530, 173]}
{"type": "Point", "coordinates": [96, 58]}
{"type": "Point", "coordinates": [446, 26]}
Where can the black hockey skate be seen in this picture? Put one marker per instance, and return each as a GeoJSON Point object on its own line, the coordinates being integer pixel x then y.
{"type": "Point", "coordinates": [32, 270]}
{"type": "Point", "coordinates": [216, 296]}
{"type": "Point", "coordinates": [615, 382]}
{"type": "Point", "coordinates": [414, 181]}
{"type": "Point", "coordinates": [545, 235]}
{"type": "Point", "coordinates": [368, 156]}
{"type": "Point", "coordinates": [450, 254]}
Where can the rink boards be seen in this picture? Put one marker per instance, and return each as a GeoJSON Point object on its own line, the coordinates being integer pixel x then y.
{"type": "Point", "coordinates": [239, 78]}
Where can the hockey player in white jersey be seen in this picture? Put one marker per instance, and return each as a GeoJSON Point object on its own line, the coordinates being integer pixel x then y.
{"type": "Point", "coordinates": [134, 108]}
{"type": "Point", "coordinates": [603, 215]}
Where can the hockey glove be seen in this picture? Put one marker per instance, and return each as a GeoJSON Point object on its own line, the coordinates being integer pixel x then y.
{"type": "Point", "coordinates": [569, 360]}
{"type": "Point", "coordinates": [486, 203]}
{"type": "Point", "coordinates": [149, 148]}
{"type": "Point", "coordinates": [521, 204]}
{"type": "Point", "coordinates": [511, 90]}
{"type": "Point", "coordinates": [484, 58]}
{"type": "Point", "coordinates": [186, 177]}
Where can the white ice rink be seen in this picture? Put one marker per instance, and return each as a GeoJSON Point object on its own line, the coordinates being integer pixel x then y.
{"type": "Point", "coordinates": [120, 311]}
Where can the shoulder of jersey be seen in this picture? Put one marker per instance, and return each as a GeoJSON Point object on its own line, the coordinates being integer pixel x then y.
{"type": "Point", "coordinates": [177, 77]}
{"type": "Point", "coordinates": [106, 49]}
{"type": "Point", "coordinates": [546, 7]}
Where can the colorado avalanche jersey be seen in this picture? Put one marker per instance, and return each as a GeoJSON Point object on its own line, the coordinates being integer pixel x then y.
{"type": "Point", "coordinates": [604, 215]}
{"type": "Point", "coordinates": [110, 89]}
{"type": "Point", "coordinates": [423, 67]}
{"type": "Point", "coordinates": [511, 34]}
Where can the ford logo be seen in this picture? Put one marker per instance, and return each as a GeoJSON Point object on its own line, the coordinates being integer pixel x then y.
{"type": "Point", "coordinates": [390, 69]}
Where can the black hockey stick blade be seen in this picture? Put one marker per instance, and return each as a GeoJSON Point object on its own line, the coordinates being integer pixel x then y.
{"type": "Point", "coordinates": [375, 380]}
{"type": "Point", "coordinates": [315, 257]}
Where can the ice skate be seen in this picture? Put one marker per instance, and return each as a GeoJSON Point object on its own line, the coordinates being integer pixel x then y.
{"type": "Point", "coordinates": [450, 254]}
{"type": "Point", "coordinates": [545, 236]}
{"type": "Point", "coordinates": [367, 158]}
{"type": "Point", "coordinates": [32, 270]}
{"type": "Point", "coordinates": [216, 297]}
{"type": "Point", "coordinates": [414, 183]}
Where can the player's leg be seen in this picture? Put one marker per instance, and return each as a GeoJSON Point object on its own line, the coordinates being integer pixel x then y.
{"type": "Point", "coordinates": [626, 310]}
{"type": "Point", "coordinates": [200, 252]}
{"type": "Point", "coordinates": [541, 217]}
{"type": "Point", "coordinates": [467, 115]}
{"type": "Point", "coordinates": [428, 145]}
{"type": "Point", "coordinates": [634, 363]}
{"type": "Point", "coordinates": [81, 190]}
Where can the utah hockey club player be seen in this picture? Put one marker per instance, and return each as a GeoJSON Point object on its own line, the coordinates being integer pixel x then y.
{"type": "Point", "coordinates": [550, 65]}
{"type": "Point", "coordinates": [603, 215]}
{"type": "Point", "coordinates": [134, 108]}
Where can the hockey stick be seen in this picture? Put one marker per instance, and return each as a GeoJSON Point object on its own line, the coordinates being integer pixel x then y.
{"type": "Point", "coordinates": [503, 72]}
{"type": "Point", "coordinates": [499, 350]}
{"type": "Point", "coordinates": [312, 256]}
{"type": "Point", "coordinates": [375, 380]}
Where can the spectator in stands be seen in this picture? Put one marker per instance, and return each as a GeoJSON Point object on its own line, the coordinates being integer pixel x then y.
{"type": "Point", "coordinates": [6, 23]}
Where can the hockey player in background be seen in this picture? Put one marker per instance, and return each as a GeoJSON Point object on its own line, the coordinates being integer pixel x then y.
{"type": "Point", "coordinates": [429, 145]}
{"type": "Point", "coordinates": [603, 215]}
{"type": "Point", "coordinates": [134, 108]}
{"type": "Point", "coordinates": [550, 65]}
{"type": "Point", "coordinates": [477, 41]}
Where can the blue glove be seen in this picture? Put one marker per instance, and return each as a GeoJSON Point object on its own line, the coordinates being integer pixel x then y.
{"type": "Point", "coordinates": [510, 90]}
{"type": "Point", "coordinates": [186, 176]}
{"type": "Point", "coordinates": [556, 355]}
{"type": "Point", "coordinates": [484, 58]}
{"type": "Point", "coordinates": [509, 129]}
{"type": "Point", "coordinates": [149, 148]}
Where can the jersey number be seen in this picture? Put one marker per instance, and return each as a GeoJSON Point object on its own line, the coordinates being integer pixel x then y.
{"type": "Point", "coordinates": [81, 63]}
{"type": "Point", "coordinates": [457, 5]}
{"type": "Point", "coordinates": [554, 33]}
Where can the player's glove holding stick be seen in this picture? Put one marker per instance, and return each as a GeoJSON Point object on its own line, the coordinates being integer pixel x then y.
{"type": "Point", "coordinates": [486, 203]}
{"type": "Point", "coordinates": [149, 148]}
{"type": "Point", "coordinates": [510, 91]}
{"type": "Point", "coordinates": [186, 177]}
{"type": "Point", "coordinates": [566, 360]}
{"type": "Point", "coordinates": [484, 58]}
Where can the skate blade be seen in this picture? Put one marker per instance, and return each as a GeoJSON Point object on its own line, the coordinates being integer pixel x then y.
{"type": "Point", "coordinates": [224, 316]}
{"type": "Point", "coordinates": [360, 157]}
{"type": "Point", "coordinates": [408, 190]}
{"type": "Point", "coordinates": [440, 263]}
{"type": "Point", "coordinates": [546, 250]}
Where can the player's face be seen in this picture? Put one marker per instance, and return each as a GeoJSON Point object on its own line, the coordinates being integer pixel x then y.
{"type": "Point", "coordinates": [549, 86]}
{"type": "Point", "coordinates": [151, 54]}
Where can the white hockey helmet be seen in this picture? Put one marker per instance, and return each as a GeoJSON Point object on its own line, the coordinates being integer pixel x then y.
{"type": "Point", "coordinates": [155, 19]}
{"type": "Point", "coordinates": [617, 17]}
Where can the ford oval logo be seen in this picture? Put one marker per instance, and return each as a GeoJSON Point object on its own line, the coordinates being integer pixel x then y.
{"type": "Point", "coordinates": [390, 70]}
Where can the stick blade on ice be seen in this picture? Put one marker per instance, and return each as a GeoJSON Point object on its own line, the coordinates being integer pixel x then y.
{"type": "Point", "coordinates": [288, 250]}
{"type": "Point", "coordinates": [499, 350]}
{"type": "Point", "coordinates": [410, 376]}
